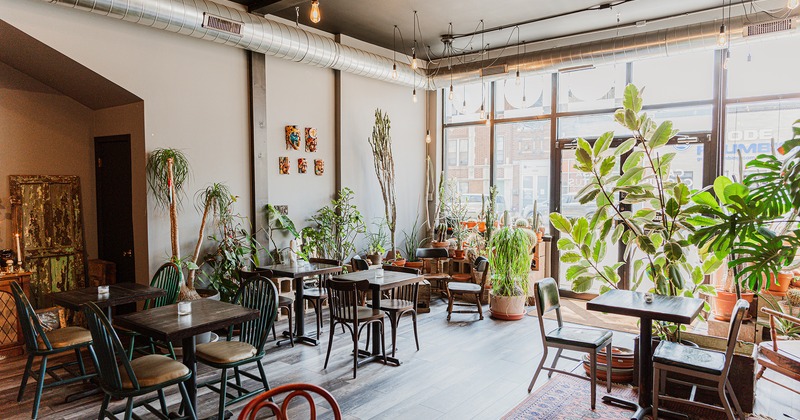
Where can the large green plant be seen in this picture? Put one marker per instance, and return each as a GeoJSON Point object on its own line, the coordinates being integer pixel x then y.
{"type": "Point", "coordinates": [381, 143]}
{"type": "Point", "coordinates": [167, 171]}
{"type": "Point", "coordinates": [216, 201]}
{"type": "Point", "coordinates": [335, 228]}
{"type": "Point", "coordinates": [413, 240]}
{"type": "Point", "coordinates": [377, 238]}
{"type": "Point", "coordinates": [754, 223]}
{"type": "Point", "coordinates": [654, 233]}
{"type": "Point", "coordinates": [510, 262]}
{"type": "Point", "coordinates": [278, 222]}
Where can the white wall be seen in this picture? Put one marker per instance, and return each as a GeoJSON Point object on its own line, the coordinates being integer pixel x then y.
{"type": "Point", "coordinates": [195, 98]}
{"type": "Point", "coordinates": [43, 132]}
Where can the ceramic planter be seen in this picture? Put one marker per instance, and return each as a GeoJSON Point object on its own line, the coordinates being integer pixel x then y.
{"type": "Point", "coordinates": [622, 360]}
{"type": "Point", "coordinates": [508, 308]}
{"type": "Point", "coordinates": [375, 259]}
{"type": "Point", "coordinates": [780, 287]}
{"type": "Point", "coordinates": [459, 254]}
{"type": "Point", "coordinates": [400, 262]}
{"type": "Point", "coordinates": [437, 244]}
{"type": "Point", "coordinates": [414, 264]}
{"type": "Point", "coordinates": [481, 227]}
{"type": "Point", "coordinates": [724, 301]}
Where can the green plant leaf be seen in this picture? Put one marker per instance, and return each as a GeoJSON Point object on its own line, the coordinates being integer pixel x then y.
{"type": "Point", "coordinates": [630, 176]}
{"type": "Point", "coordinates": [625, 147]}
{"type": "Point", "coordinates": [661, 135]}
{"type": "Point", "coordinates": [565, 244]}
{"type": "Point", "coordinates": [646, 244]}
{"type": "Point", "coordinates": [599, 251]}
{"type": "Point", "coordinates": [561, 223]}
{"type": "Point", "coordinates": [705, 198]}
{"type": "Point", "coordinates": [602, 143]}
{"type": "Point", "coordinates": [719, 188]}
{"type": "Point", "coordinates": [672, 208]}
{"type": "Point", "coordinates": [570, 257]}
{"type": "Point", "coordinates": [633, 160]}
{"type": "Point", "coordinates": [580, 229]}
{"type": "Point", "coordinates": [607, 165]}
{"type": "Point", "coordinates": [582, 284]}
{"type": "Point", "coordinates": [673, 251]}
{"type": "Point", "coordinates": [632, 98]}
{"type": "Point", "coordinates": [576, 270]}
{"type": "Point", "coordinates": [631, 121]}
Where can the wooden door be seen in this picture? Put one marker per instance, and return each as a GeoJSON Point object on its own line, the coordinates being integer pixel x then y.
{"type": "Point", "coordinates": [114, 203]}
{"type": "Point", "coordinates": [47, 215]}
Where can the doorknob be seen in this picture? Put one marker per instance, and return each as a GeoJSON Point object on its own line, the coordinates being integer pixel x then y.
{"type": "Point", "coordinates": [128, 253]}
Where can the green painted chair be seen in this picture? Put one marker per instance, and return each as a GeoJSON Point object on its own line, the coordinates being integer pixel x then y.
{"type": "Point", "coordinates": [41, 343]}
{"type": "Point", "coordinates": [123, 378]}
{"type": "Point", "coordinates": [256, 293]}
{"type": "Point", "coordinates": [169, 278]}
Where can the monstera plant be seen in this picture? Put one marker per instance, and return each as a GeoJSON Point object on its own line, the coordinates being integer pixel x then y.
{"type": "Point", "coordinates": [642, 206]}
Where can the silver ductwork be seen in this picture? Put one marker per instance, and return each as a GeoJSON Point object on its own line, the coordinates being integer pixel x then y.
{"type": "Point", "coordinates": [660, 43]}
{"type": "Point", "coordinates": [258, 34]}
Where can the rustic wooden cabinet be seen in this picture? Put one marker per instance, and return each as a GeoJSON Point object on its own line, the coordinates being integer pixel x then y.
{"type": "Point", "coordinates": [11, 340]}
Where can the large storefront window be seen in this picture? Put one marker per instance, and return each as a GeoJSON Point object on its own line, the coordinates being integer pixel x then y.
{"type": "Point", "coordinates": [466, 103]}
{"type": "Point", "coordinates": [690, 76]}
{"type": "Point", "coordinates": [764, 68]}
{"type": "Point", "coordinates": [523, 176]}
{"type": "Point", "coordinates": [467, 151]}
{"type": "Point", "coordinates": [529, 98]}
{"type": "Point", "coordinates": [592, 88]}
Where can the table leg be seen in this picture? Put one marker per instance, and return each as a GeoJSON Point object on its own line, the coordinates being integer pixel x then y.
{"type": "Point", "coordinates": [299, 317]}
{"type": "Point", "coordinates": [376, 355]}
{"type": "Point", "coordinates": [190, 360]}
{"type": "Point", "coordinates": [644, 405]}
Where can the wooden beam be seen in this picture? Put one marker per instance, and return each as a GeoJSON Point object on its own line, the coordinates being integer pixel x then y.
{"type": "Point", "coordinates": [266, 7]}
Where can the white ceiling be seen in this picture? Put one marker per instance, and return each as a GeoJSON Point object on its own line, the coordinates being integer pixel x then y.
{"type": "Point", "coordinates": [373, 20]}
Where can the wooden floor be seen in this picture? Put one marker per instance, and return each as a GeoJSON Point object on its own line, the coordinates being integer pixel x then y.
{"type": "Point", "coordinates": [465, 369]}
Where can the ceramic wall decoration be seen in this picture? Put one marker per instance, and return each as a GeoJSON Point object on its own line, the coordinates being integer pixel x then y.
{"type": "Point", "coordinates": [292, 137]}
{"type": "Point", "coordinates": [283, 165]}
{"type": "Point", "coordinates": [302, 165]}
{"type": "Point", "coordinates": [311, 139]}
{"type": "Point", "coordinates": [319, 166]}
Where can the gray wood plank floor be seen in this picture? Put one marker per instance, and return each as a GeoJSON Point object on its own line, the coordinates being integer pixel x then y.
{"type": "Point", "coordinates": [465, 369]}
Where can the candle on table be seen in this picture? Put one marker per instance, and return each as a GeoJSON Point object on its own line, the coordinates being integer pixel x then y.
{"type": "Point", "coordinates": [19, 250]}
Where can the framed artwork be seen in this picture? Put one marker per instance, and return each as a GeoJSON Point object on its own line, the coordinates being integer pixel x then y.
{"type": "Point", "coordinates": [319, 166]}
{"type": "Point", "coordinates": [302, 165]}
{"type": "Point", "coordinates": [292, 137]}
{"type": "Point", "coordinates": [311, 139]}
{"type": "Point", "coordinates": [283, 165]}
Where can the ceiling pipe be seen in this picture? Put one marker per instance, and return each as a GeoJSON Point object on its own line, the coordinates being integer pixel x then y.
{"type": "Point", "coordinates": [660, 43]}
{"type": "Point", "coordinates": [258, 34]}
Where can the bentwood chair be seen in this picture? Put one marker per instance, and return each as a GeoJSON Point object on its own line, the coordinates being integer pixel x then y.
{"type": "Point", "coordinates": [168, 277]}
{"type": "Point", "coordinates": [41, 343]}
{"type": "Point", "coordinates": [316, 295]}
{"type": "Point", "coordinates": [568, 338]}
{"type": "Point", "coordinates": [437, 278]}
{"type": "Point", "coordinates": [251, 410]}
{"type": "Point", "coordinates": [284, 302]}
{"type": "Point", "coordinates": [702, 364]}
{"type": "Point", "coordinates": [359, 264]}
{"type": "Point", "coordinates": [476, 290]}
{"type": "Point", "coordinates": [121, 378]}
{"type": "Point", "coordinates": [401, 301]}
{"type": "Point", "coordinates": [345, 310]}
{"type": "Point", "coordinates": [255, 293]}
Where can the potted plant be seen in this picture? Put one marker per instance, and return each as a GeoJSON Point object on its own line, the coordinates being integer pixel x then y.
{"type": "Point", "coordinates": [440, 218]}
{"type": "Point", "coordinates": [510, 263]}
{"type": "Point", "coordinates": [335, 228]}
{"type": "Point", "coordinates": [657, 230]}
{"type": "Point", "coordinates": [722, 304]}
{"type": "Point", "coordinates": [375, 243]}
{"type": "Point", "coordinates": [278, 222]}
{"type": "Point", "coordinates": [412, 242]}
{"type": "Point", "coordinates": [381, 143]}
{"type": "Point", "coordinates": [216, 200]}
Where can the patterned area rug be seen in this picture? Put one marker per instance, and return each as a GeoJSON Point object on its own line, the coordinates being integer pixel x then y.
{"type": "Point", "coordinates": [567, 398]}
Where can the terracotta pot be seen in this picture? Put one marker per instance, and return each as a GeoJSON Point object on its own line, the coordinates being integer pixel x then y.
{"type": "Point", "coordinates": [723, 303]}
{"type": "Point", "coordinates": [622, 361]}
{"type": "Point", "coordinates": [459, 254]}
{"type": "Point", "coordinates": [481, 227]}
{"type": "Point", "coordinates": [414, 264]}
{"type": "Point", "coordinates": [471, 224]}
{"type": "Point", "coordinates": [782, 285]}
{"type": "Point", "coordinates": [539, 236]}
{"type": "Point", "coordinates": [443, 244]}
{"type": "Point", "coordinates": [400, 262]}
{"type": "Point", "coordinates": [507, 308]}
{"type": "Point", "coordinates": [375, 258]}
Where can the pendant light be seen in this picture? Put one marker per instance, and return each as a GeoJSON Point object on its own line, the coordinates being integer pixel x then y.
{"type": "Point", "coordinates": [394, 53]}
{"type": "Point", "coordinates": [483, 86]}
{"type": "Point", "coordinates": [722, 37]}
{"type": "Point", "coordinates": [792, 4]}
{"type": "Point", "coordinates": [524, 87]}
{"type": "Point", "coordinates": [450, 61]}
{"type": "Point", "coordinates": [518, 58]}
{"type": "Point", "coordinates": [427, 128]}
{"type": "Point", "coordinates": [315, 15]}
{"type": "Point", "coordinates": [414, 46]}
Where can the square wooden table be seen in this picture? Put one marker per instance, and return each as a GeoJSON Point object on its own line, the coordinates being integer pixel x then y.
{"type": "Point", "coordinates": [297, 272]}
{"type": "Point", "coordinates": [389, 281]}
{"type": "Point", "coordinates": [663, 308]}
{"type": "Point", "coordinates": [118, 294]}
{"type": "Point", "coordinates": [164, 323]}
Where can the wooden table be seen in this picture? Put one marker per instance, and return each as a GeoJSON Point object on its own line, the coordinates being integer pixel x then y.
{"type": "Point", "coordinates": [164, 323]}
{"type": "Point", "coordinates": [118, 294]}
{"type": "Point", "coordinates": [297, 272]}
{"type": "Point", "coordinates": [390, 280]}
{"type": "Point", "coordinates": [663, 308]}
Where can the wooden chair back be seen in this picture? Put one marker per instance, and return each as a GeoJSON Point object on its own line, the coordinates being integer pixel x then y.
{"type": "Point", "coordinates": [324, 261]}
{"type": "Point", "coordinates": [737, 316]}
{"type": "Point", "coordinates": [257, 293]}
{"type": "Point", "coordinates": [246, 274]}
{"type": "Point", "coordinates": [432, 253]}
{"type": "Point", "coordinates": [168, 277]}
{"type": "Point", "coordinates": [409, 292]}
{"type": "Point", "coordinates": [545, 295]}
{"type": "Point", "coordinates": [109, 355]}
{"type": "Point", "coordinates": [307, 391]}
{"type": "Point", "coordinates": [32, 328]}
{"type": "Point", "coordinates": [359, 264]}
{"type": "Point", "coordinates": [344, 299]}
{"type": "Point", "coordinates": [408, 270]}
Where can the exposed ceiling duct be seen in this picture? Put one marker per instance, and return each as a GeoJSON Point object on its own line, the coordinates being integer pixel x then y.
{"type": "Point", "coordinates": [239, 29]}
{"type": "Point", "coordinates": [660, 43]}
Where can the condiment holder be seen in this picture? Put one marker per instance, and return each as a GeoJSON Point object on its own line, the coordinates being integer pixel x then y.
{"type": "Point", "coordinates": [102, 290]}
{"type": "Point", "coordinates": [648, 297]}
{"type": "Point", "coordinates": [184, 308]}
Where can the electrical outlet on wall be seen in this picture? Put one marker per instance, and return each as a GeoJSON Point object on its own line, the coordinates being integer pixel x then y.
{"type": "Point", "coordinates": [283, 209]}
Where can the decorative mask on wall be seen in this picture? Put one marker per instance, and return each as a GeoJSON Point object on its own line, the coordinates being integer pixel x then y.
{"type": "Point", "coordinates": [292, 137]}
{"type": "Point", "coordinates": [302, 165]}
{"type": "Point", "coordinates": [319, 166]}
{"type": "Point", "coordinates": [311, 139]}
{"type": "Point", "coordinates": [283, 165]}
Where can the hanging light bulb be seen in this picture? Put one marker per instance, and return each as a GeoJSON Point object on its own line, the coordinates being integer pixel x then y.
{"type": "Point", "coordinates": [315, 16]}
{"type": "Point", "coordinates": [483, 113]}
{"type": "Point", "coordinates": [722, 38]}
{"type": "Point", "coordinates": [394, 71]}
{"type": "Point", "coordinates": [727, 59]}
{"type": "Point", "coordinates": [413, 59]}
{"type": "Point", "coordinates": [519, 79]}
{"type": "Point", "coordinates": [414, 95]}
{"type": "Point", "coordinates": [524, 100]}
{"type": "Point", "coordinates": [792, 4]}
{"type": "Point", "coordinates": [428, 137]}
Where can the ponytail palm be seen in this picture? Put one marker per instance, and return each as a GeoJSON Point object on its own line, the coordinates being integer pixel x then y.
{"type": "Point", "coordinates": [215, 200]}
